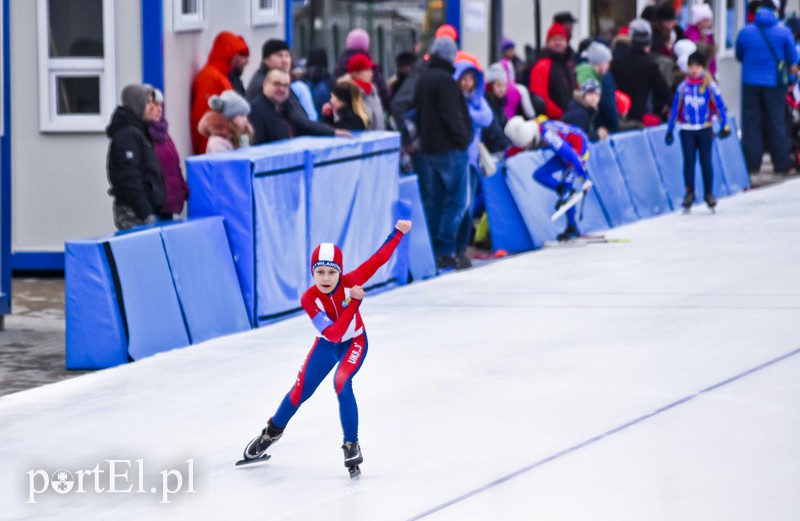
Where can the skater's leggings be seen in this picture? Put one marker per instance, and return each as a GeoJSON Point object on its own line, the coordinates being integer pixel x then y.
{"type": "Point", "coordinates": [694, 143]}
{"type": "Point", "coordinates": [549, 175]}
{"type": "Point", "coordinates": [324, 355]}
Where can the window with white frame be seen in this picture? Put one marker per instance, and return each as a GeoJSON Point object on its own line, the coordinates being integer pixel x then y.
{"type": "Point", "coordinates": [76, 64]}
{"type": "Point", "coordinates": [264, 12]}
{"type": "Point", "coordinates": [188, 15]}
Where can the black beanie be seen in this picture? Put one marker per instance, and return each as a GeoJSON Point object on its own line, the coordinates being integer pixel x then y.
{"type": "Point", "coordinates": [697, 58]}
{"type": "Point", "coordinates": [272, 46]}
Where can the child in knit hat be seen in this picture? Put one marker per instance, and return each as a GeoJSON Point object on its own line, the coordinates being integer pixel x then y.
{"type": "Point", "coordinates": [696, 101]}
{"type": "Point", "coordinates": [332, 304]}
{"type": "Point", "coordinates": [226, 124]}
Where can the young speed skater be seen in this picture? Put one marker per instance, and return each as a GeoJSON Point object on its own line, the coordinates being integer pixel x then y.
{"type": "Point", "coordinates": [696, 100]}
{"type": "Point", "coordinates": [571, 148]}
{"type": "Point", "coordinates": [332, 303]}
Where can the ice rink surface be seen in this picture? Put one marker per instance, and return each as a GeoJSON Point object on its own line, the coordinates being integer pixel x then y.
{"type": "Point", "coordinates": [657, 379]}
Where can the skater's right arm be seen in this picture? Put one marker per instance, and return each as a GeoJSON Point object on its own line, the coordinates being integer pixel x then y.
{"type": "Point", "coordinates": [327, 328]}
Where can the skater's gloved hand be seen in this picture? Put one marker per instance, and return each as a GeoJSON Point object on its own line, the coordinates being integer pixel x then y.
{"type": "Point", "coordinates": [669, 138]}
{"type": "Point", "coordinates": [357, 292]}
{"type": "Point", "coordinates": [725, 132]}
{"type": "Point", "coordinates": [586, 186]}
{"type": "Point", "coordinates": [403, 225]}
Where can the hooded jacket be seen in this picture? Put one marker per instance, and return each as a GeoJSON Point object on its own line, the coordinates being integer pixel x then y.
{"type": "Point", "coordinates": [553, 79]}
{"type": "Point", "coordinates": [212, 79]}
{"type": "Point", "coordinates": [479, 110]}
{"type": "Point", "coordinates": [759, 68]}
{"type": "Point", "coordinates": [133, 169]}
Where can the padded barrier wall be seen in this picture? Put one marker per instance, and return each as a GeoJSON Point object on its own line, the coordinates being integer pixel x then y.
{"type": "Point", "coordinates": [635, 176]}
{"type": "Point", "coordinates": [292, 195]}
{"type": "Point", "coordinates": [148, 290]}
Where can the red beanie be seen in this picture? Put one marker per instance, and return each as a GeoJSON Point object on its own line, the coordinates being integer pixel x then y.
{"type": "Point", "coordinates": [359, 62]}
{"type": "Point", "coordinates": [327, 254]}
{"type": "Point", "coordinates": [557, 30]}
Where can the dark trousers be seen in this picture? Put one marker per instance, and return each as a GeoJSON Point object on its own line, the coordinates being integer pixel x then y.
{"type": "Point", "coordinates": [764, 123]}
{"type": "Point", "coordinates": [697, 143]}
{"type": "Point", "coordinates": [465, 228]}
{"type": "Point", "coordinates": [443, 186]}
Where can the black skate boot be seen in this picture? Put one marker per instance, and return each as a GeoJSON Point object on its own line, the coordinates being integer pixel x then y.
{"type": "Point", "coordinates": [688, 201]}
{"type": "Point", "coordinates": [711, 201]}
{"type": "Point", "coordinates": [352, 458]}
{"type": "Point", "coordinates": [256, 449]}
{"type": "Point", "coordinates": [569, 233]}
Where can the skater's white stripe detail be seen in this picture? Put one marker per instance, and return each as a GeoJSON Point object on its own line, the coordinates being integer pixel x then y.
{"type": "Point", "coordinates": [602, 436]}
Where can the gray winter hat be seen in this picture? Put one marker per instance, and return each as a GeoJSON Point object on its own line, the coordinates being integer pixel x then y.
{"type": "Point", "coordinates": [445, 48]}
{"type": "Point", "coordinates": [597, 53]}
{"type": "Point", "coordinates": [640, 32]}
{"type": "Point", "coordinates": [229, 104]}
{"type": "Point", "coordinates": [494, 73]}
{"type": "Point", "coordinates": [135, 97]}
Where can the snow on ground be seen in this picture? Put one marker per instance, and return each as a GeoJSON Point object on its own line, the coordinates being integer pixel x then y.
{"type": "Point", "coordinates": [655, 379]}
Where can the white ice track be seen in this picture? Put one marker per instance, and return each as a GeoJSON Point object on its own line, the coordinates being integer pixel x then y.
{"type": "Point", "coordinates": [578, 383]}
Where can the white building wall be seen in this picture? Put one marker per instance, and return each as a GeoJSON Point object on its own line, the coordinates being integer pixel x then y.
{"type": "Point", "coordinates": [59, 182]}
{"type": "Point", "coordinates": [185, 53]}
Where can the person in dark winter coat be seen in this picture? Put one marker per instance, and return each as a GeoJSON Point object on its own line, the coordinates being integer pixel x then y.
{"type": "Point", "coordinates": [175, 187]}
{"type": "Point", "coordinates": [496, 88]}
{"type": "Point", "coordinates": [445, 132]}
{"type": "Point", "coordinates": [346, 107]}
{"type": "Point", "coordinates": [638, 76]}
{"type": "Point", "coordinates": [274, 118]}
{"type": "Point", "coordinates": [133, 170]}
{"type": "Point", "coordinates": [318, 78]}
{"type": "Point", "coordinates": [553, 76]}
{"type": "Point", "coordinates": [582, 111]}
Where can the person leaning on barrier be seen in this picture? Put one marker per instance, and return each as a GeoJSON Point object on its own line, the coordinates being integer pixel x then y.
{"type": "Point", "coordinates": [133, 169]}
{"type": "Point", "coordinates": [273, 118]}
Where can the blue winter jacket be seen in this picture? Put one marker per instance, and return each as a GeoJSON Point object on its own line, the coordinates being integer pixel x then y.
{"type": "Point", "coordinates": [758, 66]}
{"type": "Point", "coordinates": [479, 110]}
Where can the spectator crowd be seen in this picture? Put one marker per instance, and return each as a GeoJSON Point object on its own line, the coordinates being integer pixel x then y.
{"type": "Point", "coordinates": [451, 110]}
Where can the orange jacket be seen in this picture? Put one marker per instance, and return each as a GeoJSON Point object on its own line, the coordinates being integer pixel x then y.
{"type": "Point", "coordinates": [213, 79]}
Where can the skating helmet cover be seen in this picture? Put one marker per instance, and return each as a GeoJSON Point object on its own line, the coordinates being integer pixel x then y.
{"type": "Point", "coordinates": [327, 254]}
{"type": "Point", "coordinates": [522, 133]}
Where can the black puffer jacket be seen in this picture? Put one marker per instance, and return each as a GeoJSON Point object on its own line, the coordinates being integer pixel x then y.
{"type": "Point", "coordinates": [442, 116]}
{"type": "Point", "coordinates": [133, 169]}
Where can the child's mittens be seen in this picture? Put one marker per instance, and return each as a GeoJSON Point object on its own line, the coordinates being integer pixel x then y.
{"type": "Point", "coordinates": [725, 132]}
{"type": "Point", "coordinates": [669, 138]}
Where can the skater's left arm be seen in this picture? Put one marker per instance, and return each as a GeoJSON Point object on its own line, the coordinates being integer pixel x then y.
{"type": "Point", "coordinates": [566, 152]}
{"type": "Point", "coordinates": [363, 273]}
{"type": "Point", "coordinates": [721, 113]}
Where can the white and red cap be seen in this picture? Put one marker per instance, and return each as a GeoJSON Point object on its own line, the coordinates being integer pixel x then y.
{"type": "Point", "coordinates": [327, 254]}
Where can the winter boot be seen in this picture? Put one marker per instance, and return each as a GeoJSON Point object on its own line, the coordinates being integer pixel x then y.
{"type": "Point", "coordinates": [688, 200]}
{"type": "Point", "coordinates": [352, 454]}
{"type": "Point", "coordinates": [570, 232]}
{"type": "Point", "coordinates": [711, 201]}
{"type": "Point", "coordinates": [259, 445]}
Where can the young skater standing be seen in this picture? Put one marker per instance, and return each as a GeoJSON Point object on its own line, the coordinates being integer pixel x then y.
{"type": "Point", "coordinates": [332, 305]}
{"type": "Point", "coordinates": [571, 147]}
{"type": "Point", "coordinates": [696, 100]}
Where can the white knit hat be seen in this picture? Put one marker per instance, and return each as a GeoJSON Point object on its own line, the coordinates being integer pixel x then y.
{"type": "Point", "coordinates": [522, 133]}
{"type": "Point", "coordinates": [701, 12]}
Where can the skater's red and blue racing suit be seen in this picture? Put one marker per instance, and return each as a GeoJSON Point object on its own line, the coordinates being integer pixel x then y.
{"type": "Point", "coordinates": [342, 340]}
{"type": "Point", "coordinates": [571, 148]}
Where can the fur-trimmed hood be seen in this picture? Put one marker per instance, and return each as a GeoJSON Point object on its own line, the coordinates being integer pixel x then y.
{"type": "Point", "coordinates": [215, 124]}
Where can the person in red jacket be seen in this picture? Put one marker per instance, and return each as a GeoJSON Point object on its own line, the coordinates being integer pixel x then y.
{"type": "Point", "coordinates": [226, 52]}
{"type": "Point", "coordinates": [553, 76]}
{"type": "Point", "coordinates": [332, 304]}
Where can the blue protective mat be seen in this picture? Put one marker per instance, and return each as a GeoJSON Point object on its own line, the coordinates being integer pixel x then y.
{"type": "Point", "coordinates": [421, 261]}
{"type": "Point", "coordinates": [728, 153]}
{"type": "Point", "coordinates": [609, 185]}
{"type": "Point", "coordinates": [95, 333]}
{"type": "Point", "coordinates": [205, 279]}
{"type": "Point", "coordinates": [635, 159]}
{"type": "Point", "coordinates": [152, 312]}
{"type": "Point", "coordinates": [506, 225]}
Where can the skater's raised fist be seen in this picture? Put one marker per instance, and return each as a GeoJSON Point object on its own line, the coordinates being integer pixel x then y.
{"type": "Point", "coordinates": [403, 226]}
{"type": "Point", "coordinates": [357, 292]}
